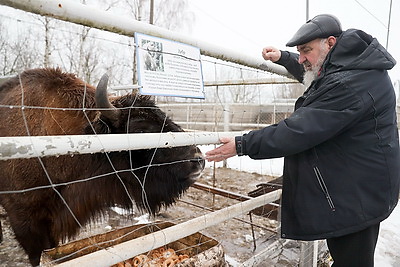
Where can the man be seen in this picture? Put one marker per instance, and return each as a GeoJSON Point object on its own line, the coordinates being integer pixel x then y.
{"type": "Point", "coordinates": [341, 145]}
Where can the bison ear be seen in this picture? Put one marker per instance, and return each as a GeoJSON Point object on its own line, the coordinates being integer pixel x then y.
{"type": "Point", "coordinates": [102, 101]}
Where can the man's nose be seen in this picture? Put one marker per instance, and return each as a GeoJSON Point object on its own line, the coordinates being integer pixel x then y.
{"type": "Point", "coordinates": [301, 59]}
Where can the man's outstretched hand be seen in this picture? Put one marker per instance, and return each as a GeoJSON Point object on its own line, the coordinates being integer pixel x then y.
{"type": "Point", "coordinates": [226, 150]}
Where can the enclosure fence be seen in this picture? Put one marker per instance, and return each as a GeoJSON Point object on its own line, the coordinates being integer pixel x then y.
{"type": "Point", "coordinates": [221, 118]}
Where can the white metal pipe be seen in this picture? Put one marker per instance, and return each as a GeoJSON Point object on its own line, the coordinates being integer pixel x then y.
{"type": "Point", "coordinates": [288, 103]}
{"type": "Point", "coordinates": [231, 124]}
{"type": "Point", "coordinates": [41, 146]}
{"type": "Point", "coordinates": [104, 20]}
{"type": "Point", "coordinates": [275, 80]}
{"type": "Point", "coordinates": [272, 80]}
{"type": "Point", "coordinates": [125, 87]}
{"type": "Point", "coordinates": [157, 239]}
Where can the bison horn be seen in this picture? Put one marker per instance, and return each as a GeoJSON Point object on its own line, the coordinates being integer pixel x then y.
{"type": "Point", "coordinates": [102, 100]}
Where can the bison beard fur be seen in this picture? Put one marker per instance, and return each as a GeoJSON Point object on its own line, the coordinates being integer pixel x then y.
{"type": "Point", "coordinates": [57, 103]}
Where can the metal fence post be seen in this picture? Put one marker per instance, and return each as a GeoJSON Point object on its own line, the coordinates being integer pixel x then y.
{"type": "Point", "coordinates": [226, 117]}
{"type": "Point", "coordinates": [308, 254]}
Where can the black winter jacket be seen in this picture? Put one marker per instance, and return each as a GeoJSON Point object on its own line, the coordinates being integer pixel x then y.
{"type": "Point", "coordinates": [341, 144]}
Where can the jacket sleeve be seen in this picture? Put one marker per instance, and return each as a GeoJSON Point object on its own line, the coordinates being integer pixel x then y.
{"type": "Point", "coordinates": [307, 127]}
{"type": "Point", "coordinates": [290, 62]}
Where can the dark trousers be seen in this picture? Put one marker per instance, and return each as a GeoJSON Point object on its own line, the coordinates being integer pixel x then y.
{"type": "Point", "coordinates": [354, 250]}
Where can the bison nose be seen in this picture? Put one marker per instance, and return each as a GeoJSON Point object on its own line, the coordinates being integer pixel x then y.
{"type": "Point", "coordinates": [201, 162]}
{"type": "Point", "coordinates": [200, 158]}
{"type": "Point", "coordinates": [197, 166]}
{"type": "Point", "coordinates": [198, 163]}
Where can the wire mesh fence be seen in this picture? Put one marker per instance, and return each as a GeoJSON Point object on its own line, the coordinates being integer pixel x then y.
{"type": "Point", "coordinates": [244, 240]}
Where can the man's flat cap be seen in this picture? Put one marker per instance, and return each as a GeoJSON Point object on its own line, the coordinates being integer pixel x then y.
{"type": "Point", "coordinates": [321, 26]}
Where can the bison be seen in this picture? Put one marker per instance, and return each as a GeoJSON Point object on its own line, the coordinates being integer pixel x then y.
{"type": "Point", "coordinates": [51, 102]}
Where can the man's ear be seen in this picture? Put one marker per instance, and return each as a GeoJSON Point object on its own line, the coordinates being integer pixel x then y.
{"type": "Point", "coordinates": [331, 41]}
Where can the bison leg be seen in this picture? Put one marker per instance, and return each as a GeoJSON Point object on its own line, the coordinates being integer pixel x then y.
{"type": "Point", "coordinates": [34, 236]}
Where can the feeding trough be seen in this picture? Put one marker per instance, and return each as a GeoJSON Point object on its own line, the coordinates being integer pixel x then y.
{"type": "Point", "coordinates": [200, 249]}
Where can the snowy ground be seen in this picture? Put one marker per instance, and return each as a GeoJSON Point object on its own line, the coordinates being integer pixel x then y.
{"type": "Point", "coordinates": [387, 251]}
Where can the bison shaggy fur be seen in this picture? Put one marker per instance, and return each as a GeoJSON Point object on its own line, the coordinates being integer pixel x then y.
{"type": "Point", "coordinates": [43, 200]}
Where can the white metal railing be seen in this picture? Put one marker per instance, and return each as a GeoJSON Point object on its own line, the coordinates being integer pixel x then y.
{"type": "Point", "coordinates": [41, 146]}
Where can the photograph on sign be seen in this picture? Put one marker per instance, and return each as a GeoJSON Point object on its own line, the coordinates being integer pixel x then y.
{"type": "Point", "coordinates": [168, 68]}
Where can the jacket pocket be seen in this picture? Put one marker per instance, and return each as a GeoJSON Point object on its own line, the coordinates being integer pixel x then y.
{"type": "Point", "coordinates": [324, 188]}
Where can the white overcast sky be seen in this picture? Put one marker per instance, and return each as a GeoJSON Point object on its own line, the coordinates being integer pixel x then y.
{"type": "Point", "coordinates": [250, 25]}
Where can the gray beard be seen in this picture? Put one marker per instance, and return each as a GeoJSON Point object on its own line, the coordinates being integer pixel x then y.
{"type": "Point", "coordinates": [310, 76]}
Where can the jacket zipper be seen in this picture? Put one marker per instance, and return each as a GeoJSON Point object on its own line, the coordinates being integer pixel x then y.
{"type": "Point", "coordinates": [324, 188]}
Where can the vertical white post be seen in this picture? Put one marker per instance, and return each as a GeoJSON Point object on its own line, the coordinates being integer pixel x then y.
{"type": "Point", "coordinates": [188, 111]}
{"type": "Point", "coordinates": [315, 254]}
{"type": "Point", "coordinates": [308, 254]}
{"type": "Point", "coordinates": [226, 117]}
{"type": "Point", "coordinates": [226, 125]}
{"type": "Point", "coordinates": [274, 114]}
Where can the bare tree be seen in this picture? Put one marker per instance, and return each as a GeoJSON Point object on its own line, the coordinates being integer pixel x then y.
{"type": "Point", "coordinates": [169, 14]}
{"type": "Point", "coordinates": [234, 93]}
{"type": "Point", "coordinates": [47, 52]}
{"type": "Point", "coordinates": [289, 91]}
{"type": "Point", "coordinates": [243, 93]}
{"type": "Point", "coordinates": [80, 52]}
{"type": "Point", "coordinates": [47, 23]}
{"type": "Point", "coordinates": [16, 54]}
{"type": "Point", "coordinates": [173, 15]}
{"type": "Point", "coordinates": [77, 48]}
